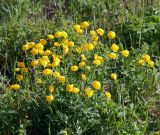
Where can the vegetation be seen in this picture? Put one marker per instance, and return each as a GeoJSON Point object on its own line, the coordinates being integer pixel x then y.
{"type": "Point", "coordinates": [79, 67]}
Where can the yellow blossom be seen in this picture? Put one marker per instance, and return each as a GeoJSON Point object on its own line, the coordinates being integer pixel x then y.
{"type": "Point", "coordinates": [96, 57]}
{"type": "Point", "coordinates": [81, 64]}
{"type": "Point", "coordinates": [74, 68]}
{"type": "Point", "coordinates": [56, 74]}
{"type": "Point", "coordinates": [17, 69]}
{"type": "Point", "coordinates": [108, 95]}
{"type": "Point", "coordinates": [58, 34]}
{"type": "Point", "coordinates": [69, 87]}
{"type": "Point", "coordinates": [47, 52]}
{"type": "Point", "coordinates": [96, 85]}
{"type": "Point", "coordinates": [39, 47]}
{"type": "Point", "coordinates": [89, 92]}
{"type": "Point", "coordinates": [150, 63]}
{"type": "Point", "coordinates": [125, 53]}
{"type": "Point", "coordinates": [83, 76]}
{"type": "Point", "coordinates": [100, 31]}
{"type": "Point", "coordinates": [76, 27]}
{"type": "Point", "coordinates": [146, 57]}
{"type": "Point", "coordinates": [34, 63]}
{"type": "Point", "coordinates": [114, 47]}
{"type": "Point", "coordinates": [70, 44]}
{"type": "Point", "coordinates": [15, 86]}
{"type": "Point", "coordinates": [64, 34]}
{"type": "Point", "coordinates": [83, 58]}
{"type": "Point", "coordinates": [51, 88]}
{"type": "Point", "coordinates": [19, 77]}
{"type": "Point", "coordinates": [44, 63]}
{"type": "Point", "coordinates": [47, 71]}
{"type": "Point", "coordinates": [75, 90]}
{"type": "Point", "coordinates": [112, 55]}
{"type": "Point", "coordinates": [65, 49]}
{"type": "Point", "coordinates": [88, 68]}
{"type": "Point", "coordinates": [20, 64]}
{"type": "Point", "coordinates": [88, 47]}
{"type": "Point", "coordinates": [43, 41]}
{"type": "Point", "coordinates": [49, 98]}
{"type": "Point", "coordinates": [92, 32]}
{"type": "Point", "coordinates": [24, 70]}
{"type": "Point", "coordinates": [114, 76]}
{"type": "Point", "coordinates": [96, 62]}
{"type": "Point", "coordinates": [50, 36]}
{"type": "Point", "coordinates": [111, 35]}
{"type": "Point", "coordinates": [61, 79]}
{"type": "Point", "coordinates": [34, 51]}
{"type": "Point", "coordinates": [25, 47]}
{"type": "Point", "coordinates": [84, 25]}
{"type": "Point", "coordinates": [141, 62]}
{"type": "Point", "coordinates": [57, 44]}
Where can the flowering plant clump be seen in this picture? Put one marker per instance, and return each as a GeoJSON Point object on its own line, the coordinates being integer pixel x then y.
{"type": "Point", "coordinates": [76, 78]}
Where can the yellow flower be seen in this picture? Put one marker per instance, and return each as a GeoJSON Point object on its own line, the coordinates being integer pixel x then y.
{"type": "Point", "coordinates": [61, 79]}
{"type": "Point", "coordinates": [89, 92]}
{"type": "Point", "coordinates": [81, 64]}
{"type": "Point", "coordinates": [25, 47]}
{"type": "Point", "coordinates": [79, 31]}
{"type": "Point", "coordinates": [83, 76]}
{"type": "Point", "coordinates": [24, 70]}
{"type": "Point", "coordinates": [141, 62]}
{"type": "Point", "coordinates": [39, 81]}
{"type": "Point", "coordinates": [84, 25]}
{"type": "Point", "coordinates": [96, 57]}
{"type": "Point", "coordinates": [34, 63]}
{"type": "Point", "coordinates": [96, 62]}
{"type": "Point", "coordinates": [39, 47]}
{"type": "Point", "coordinates": [88, 68]}
{"type": "Point", "coordinates": [114, 47]}
{"type": "Point", "coordinates": [57, 44]}
{"type": "Point", "coordinates": [79, 50]}
{"type": "Point", "coordinates": [111, 35]}
{"type": "Point", "coordinates": [75, 90]}
{"type": "Point", "coordinates": [15, 86]}
{"type": "Point", "coordinates": [108, 95]}
{"type": "Point", "coordinates": [96, 85]}
{"type": "Point", "coordinates": [19, 77]}
{"type": "Point", "coordinates": [47, 72]}
{"type": "Point", "coordinates": [47, 53]}
{"type": "Point", "coordinates": [113, 76]}
{"type": "Point", "coordinates": [64, 34]}
{"type": "Point", "coordinates": [51, 88]}
{"type": "Point", "coordinates": [65, 49]}
{"type": "Point", "coordinates": [49, 98]}
{"type": "Point", "coordinates": [92, 32]}
{"type": "Point", "coordinates": [83, 58]}
{"type": "Point", "coordinates": [94, 38]}
{"type": "Point", "coordinates": [58, 34]}
{"type": "Point", "coordinates": [74, 68]}
{"type": "Point", "coordinates": [20, 64]}
{"type": "Point", "coordinates": [146, 57]}
{"type": "Point", "coordinates": [17, 69]}
{"type": "Point", "coordinates": [125, 53]}
{"type": "Point", "coordinates": [100, 31]}
{"type": "Point", "coordinates": [50, 36]}
{"type": "Point", "coordinates": [56, 74]}
{"type": "Point", "coordinates": [70, 44]}
{"type": "Point", "coordinates": [34, 51]}
{"type": "Point", "coordinates": [76, 27]}
{"type": "Point", "coordinates": [150, 63]}
{"type": "Point", "coordinates": [88, 47]}
{"type": "Point", "coordinates": [112, 55]}
{"type": "Point", "coordinates": [43, 41]}
{"type": "Point", "coordinates": [69, 87]}
{"type": "Point", "coordinates": [44, 63]}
